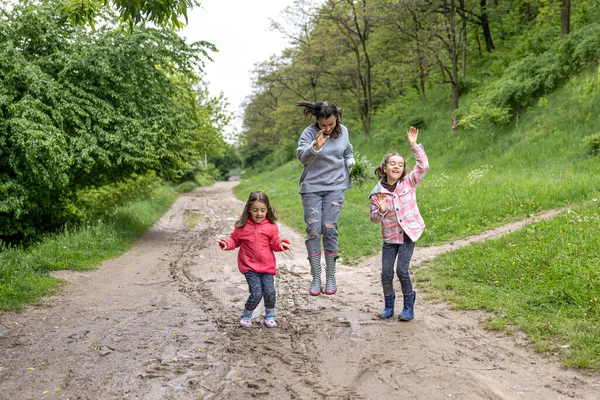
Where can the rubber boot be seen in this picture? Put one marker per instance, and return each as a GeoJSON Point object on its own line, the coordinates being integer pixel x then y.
{"type": "Point", "coordinates": [408, 312]}
{"type": "Point", "coordinates": [315, 270]}
{"type": "Point", "coordinates": [330, 285]}
{"type": "Point", "coordinates": [388, 311]}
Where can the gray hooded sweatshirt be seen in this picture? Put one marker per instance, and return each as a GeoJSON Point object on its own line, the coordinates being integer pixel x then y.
{"type": "Point", "coordinates": [326, 169]}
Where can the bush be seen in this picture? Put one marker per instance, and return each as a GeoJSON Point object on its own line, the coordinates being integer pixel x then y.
{"type": "Point", "coordinates": [92, 203]}
{"type": "Point", "coordinates": [538, 74]}
{"type": "Point", "coordinates": [592, 144]}
{"type": "Point", "coordinates": [185, 187]}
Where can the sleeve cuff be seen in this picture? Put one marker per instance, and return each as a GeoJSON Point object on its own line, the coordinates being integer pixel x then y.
{"type": "Point", "coordinates": [312, 149]}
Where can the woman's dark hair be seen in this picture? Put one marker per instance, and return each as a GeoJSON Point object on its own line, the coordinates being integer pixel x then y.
{"type": "Point", "coordinates": [253, 198]}
{"type": "Point", "coordinates": [379, 173]}
{"type": "Point", "coordinates": [323, 109]}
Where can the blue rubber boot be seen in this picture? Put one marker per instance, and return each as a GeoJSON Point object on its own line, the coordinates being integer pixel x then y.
{"type": "Point", "coordinates": [388, 311]}
{"type": "Point", "coordinates": [408, 313]}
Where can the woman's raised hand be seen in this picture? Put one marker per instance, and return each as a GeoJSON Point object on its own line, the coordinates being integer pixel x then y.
{"type": "Point", "coordinates": [412, 136]}
{"type": "Point", "coordinates": [381, 201]}
{"type": "Point", "coordinates": [320, 140]}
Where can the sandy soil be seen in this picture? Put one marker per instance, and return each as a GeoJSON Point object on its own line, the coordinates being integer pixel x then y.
{"type": "Point", "coordinates": [161, 322]}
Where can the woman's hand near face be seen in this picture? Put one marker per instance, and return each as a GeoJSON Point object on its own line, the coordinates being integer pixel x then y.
{"type": "Point", "coordinates": [412, 136]}
{"type": "Point", "coordinates": [320, 140]}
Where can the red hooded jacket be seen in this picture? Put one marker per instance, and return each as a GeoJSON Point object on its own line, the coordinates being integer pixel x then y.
{"type": "Point", "coordinates": [257, 242]}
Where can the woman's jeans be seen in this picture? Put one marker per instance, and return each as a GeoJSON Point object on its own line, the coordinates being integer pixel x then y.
{"type": "Point", "coordinates": [321, 214]}
{"type": "Point", "coordinates": [389, 252]}
{"type": "Point", "coordinates": [260, 285]}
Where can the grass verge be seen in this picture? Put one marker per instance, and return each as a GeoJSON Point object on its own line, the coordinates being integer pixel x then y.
{"type": "Point", "coordinates": [543, 279]}
{"type": "Point", "coordinates": [24, 271]}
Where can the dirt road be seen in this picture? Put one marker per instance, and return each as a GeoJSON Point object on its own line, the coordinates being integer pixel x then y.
{"type": "Point", "coordinates": [161, 322]}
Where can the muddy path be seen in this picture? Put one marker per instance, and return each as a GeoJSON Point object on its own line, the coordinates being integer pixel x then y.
{"type": "Point", "coordinates": [161, 322]}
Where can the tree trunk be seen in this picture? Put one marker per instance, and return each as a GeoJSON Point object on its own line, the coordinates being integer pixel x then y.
{"type": "Point", "coordinates": [463, 40]}
{"type": "Point", "coordinates": [485, 26]}
{"type": "Point", "coordinates": [566, 18]}
{"type": "Point", "coordinates": [454, 59]}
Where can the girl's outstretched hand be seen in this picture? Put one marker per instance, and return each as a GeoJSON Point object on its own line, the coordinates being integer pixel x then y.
{"type": "Point", "coordinates": [412, 136]}
{"type": "Point", "coordinates": [381, 201]}
{"type": "Point", "coordinates": [286, 246]}
{"type": "Point", "coordinates": [222, 243]}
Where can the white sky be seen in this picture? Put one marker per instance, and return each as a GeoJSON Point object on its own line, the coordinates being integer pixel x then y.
{"type": "Point", "coordinates": [240, 29]}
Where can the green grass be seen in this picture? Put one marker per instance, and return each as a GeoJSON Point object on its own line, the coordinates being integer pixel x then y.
{"type": "Point", "coordinates": [24, 271]}
{"type": "Point", "coordinates": [543, 279]}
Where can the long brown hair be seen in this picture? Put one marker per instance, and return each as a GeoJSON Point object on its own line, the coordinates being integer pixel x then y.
{"type": "Point", "coordinates": [379, 172]}
{"type": "Point", "coordinates": [253, 198]}
{"type": "Point", "coordinates": [323, 109]}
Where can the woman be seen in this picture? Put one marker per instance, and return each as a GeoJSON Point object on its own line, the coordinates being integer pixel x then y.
{"type": "Point", "coordinates": [326, 153]}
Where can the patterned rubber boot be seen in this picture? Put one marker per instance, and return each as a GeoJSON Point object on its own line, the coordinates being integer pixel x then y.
{"type": "Point", "coordinates": [408, 313]}
{"type": "Point", "coordinates": [315, 270]}
{"type": "Point", "coordinates": [330, 285]}
{"type": "Point", "coordinates": [246, 319]}
{"type": "Point", "coordinates": [270, 318]}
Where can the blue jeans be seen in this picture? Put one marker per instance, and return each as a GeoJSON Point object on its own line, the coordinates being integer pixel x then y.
{"type": "Point", "coordinates": [260, 285]}
{"type": "Point", "coordinates": [321, 214]}
{"type": "Point", "coordinates": [389, 252]}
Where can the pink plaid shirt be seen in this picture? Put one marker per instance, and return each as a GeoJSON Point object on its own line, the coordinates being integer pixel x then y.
{"type": "Point", "coordinates": [402, 213]}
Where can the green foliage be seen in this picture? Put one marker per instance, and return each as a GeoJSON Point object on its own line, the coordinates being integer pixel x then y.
{"type": "Point", "coordinates": [159, 13]}
{"type": "Point", "coordinates": [82, 110]}
{"type": "Point", "coordinates": [361, 172]}
{"type": "Point", "coordinates": [592, 143]}
{"type": "Point", "coordinates": [535, 75]}
{"type": "Point", "coordinates": [185, 187]}
{"type": "Point", "coordinates": [229, 163]}
{"type": "Point", "coordinates": [94, 202]}
{"type": "Point", "coordinates": [24, 270]}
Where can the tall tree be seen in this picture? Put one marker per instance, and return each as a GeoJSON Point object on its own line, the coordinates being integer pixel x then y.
{"type": "Point", "coordinates": [355, 19]}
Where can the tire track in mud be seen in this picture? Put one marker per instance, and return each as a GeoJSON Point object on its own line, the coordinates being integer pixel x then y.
{"type": "Point", "coordinates": [252, 360]}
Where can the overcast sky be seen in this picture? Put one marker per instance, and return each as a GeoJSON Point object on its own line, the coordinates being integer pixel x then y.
{"type": "Point", "coordinates": [240, 29]}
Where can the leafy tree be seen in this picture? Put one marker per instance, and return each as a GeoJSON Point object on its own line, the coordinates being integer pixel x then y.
{"type": "Point", "coordinates": [86, 109]}
{"type": "Point", "coordinates": [160, 13]}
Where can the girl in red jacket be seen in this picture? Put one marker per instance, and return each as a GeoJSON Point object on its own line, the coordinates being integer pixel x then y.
{"type": "Point", "coordinates": [257, 236]}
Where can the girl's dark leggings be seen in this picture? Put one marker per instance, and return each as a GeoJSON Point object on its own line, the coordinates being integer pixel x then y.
{"type": "Point", "coordinates": [389, 252]}
{"type": "Point", "coordinates": [260, 285]}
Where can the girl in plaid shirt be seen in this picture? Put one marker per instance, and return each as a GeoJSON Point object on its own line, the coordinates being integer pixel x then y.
{"type": "Point", "coordinates": [394, 205]}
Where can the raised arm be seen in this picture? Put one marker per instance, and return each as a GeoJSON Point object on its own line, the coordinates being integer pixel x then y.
{"type": "Point", "coordinates": [310, 144]}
